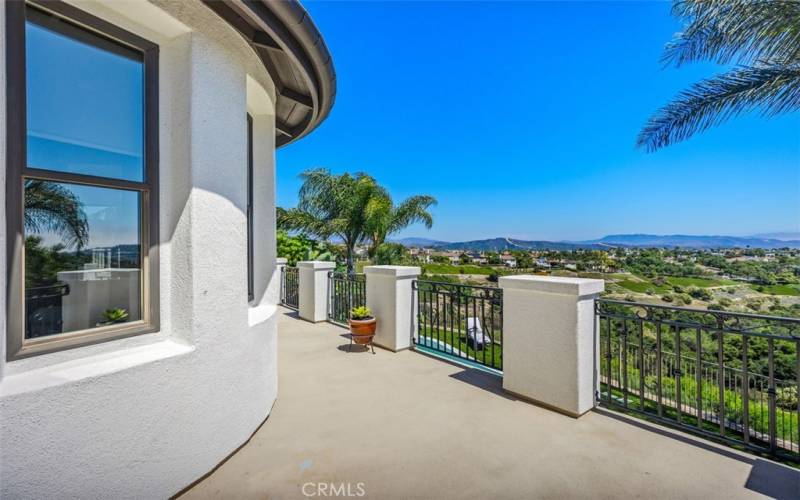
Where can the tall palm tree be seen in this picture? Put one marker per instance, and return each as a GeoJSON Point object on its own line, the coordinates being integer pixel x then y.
{"type": "Point", "coordinates": [386, 218]}
{"type": "Point", "coordinates": [334, 205]}
{"type": "Point", "coordinates": [762, 39]}
{"type": "Point", "coordinates": [51, 207]}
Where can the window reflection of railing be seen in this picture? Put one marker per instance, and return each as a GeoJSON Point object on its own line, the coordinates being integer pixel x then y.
{"type": "Point", "coordinates": [43, 310]}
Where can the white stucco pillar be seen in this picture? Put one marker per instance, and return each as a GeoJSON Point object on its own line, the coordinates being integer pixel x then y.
{"type": "Point", "coordinates": [313, 289]}
{"type": "Point", "coordinates": [549, 345]}
{"type": "Point", "coordinates": [390, 299]}
{"type": "Point", "coordinates": [280, 263]}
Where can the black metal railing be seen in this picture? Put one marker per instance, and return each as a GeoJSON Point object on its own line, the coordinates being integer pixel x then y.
{"type": "Point", "coordinates": [290, 287]}
{"type": "Point", "coordinates": [345, 291]}
{"type": "Point", "coordinates": [731, 376]}
{"type": "Point", "coordinates": [463, 321]}
{"type": "Point", "coordinates": [43, 310]}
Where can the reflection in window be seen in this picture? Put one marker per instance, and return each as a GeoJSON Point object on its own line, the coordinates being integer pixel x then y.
{"type": "Point", "coordinates": [85, 106]}
{"type": "Point", "coordinates": [82, 257]}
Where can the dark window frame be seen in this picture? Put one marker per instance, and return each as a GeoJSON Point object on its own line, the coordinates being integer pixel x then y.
{"type": "Point", "coordinates": [250, 234]}
{"type": "Point", "coordinates": [75, 23]}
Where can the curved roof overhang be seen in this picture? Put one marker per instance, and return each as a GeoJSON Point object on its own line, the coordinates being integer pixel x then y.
{"type": "Point", "coordinates": [295, 56]}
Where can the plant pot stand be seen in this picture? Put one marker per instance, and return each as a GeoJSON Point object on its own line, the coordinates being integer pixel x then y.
{"type": "Point", "coordinates": [365, 340]}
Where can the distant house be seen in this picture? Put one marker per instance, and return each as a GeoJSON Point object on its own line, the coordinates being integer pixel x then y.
{"type": "Point", "coordinates": [508, 260]}
{"type": "Point", "coordinates": [477, 258]}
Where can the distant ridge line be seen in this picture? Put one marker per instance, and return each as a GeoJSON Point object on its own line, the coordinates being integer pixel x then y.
{"type": "Point", "coordinates": [607, 242]}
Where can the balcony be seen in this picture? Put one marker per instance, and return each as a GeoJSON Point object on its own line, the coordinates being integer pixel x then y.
{"type": "Point", "coordinates": [408, 425]}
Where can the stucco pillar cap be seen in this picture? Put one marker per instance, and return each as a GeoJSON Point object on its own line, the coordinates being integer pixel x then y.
{"type": "Point", "coordinates": [553, 284]}
{"type": "Point", "coordinates": [316, 264]}
{"type": "Point", "coordinates": [281, 260]}
{"type": "Point", "coordinates": [395, 271]}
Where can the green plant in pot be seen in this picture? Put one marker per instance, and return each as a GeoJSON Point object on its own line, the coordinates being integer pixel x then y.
{"type": "Point", "coordinates": [116, 315]}
{"type": "Point", "coordinates": [362, 326]}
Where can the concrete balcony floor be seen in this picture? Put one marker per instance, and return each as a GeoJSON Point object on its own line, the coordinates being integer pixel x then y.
{"type": "Point", "coordinates": [410, 426]}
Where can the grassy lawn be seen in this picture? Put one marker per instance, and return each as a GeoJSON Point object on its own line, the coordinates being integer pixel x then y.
{"type": "Point", "coordinates": [642, 286]}
{"type": "Point", "coordinates": [793, 290]}
{"type": "Point", "coordinates": [451, 269]}
{"type": "Point", "coordinates": [698, 282]}
{"type": "Point", "coordinates": [491, 356]}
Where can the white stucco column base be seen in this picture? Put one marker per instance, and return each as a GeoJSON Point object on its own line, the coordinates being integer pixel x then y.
{"type": "Point", "coordinates": [280, 263]}
{"type": "Point", "coordinates": [390, 299]}
{"type": "Point", "coordinates": [313, 289]}
{"type": "Point", "coordinates": [549, 340]}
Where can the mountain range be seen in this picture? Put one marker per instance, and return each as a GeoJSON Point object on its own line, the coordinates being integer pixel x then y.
{"type": "Point", "coordinates": [611, 241]}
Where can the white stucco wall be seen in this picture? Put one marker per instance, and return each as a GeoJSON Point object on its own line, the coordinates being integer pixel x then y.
{"type": "Point", "coordinates": [145, 416]}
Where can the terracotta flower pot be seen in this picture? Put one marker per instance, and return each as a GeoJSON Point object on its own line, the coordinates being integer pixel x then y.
{"type": "Point", "coordinates": [363, 330]}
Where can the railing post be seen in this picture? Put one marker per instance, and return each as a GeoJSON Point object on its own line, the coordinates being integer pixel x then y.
{"type": "Point", "coordinates": [389, 296]}
{"type": "Point", "coordinates": [276, 292]}
{"type": "Point", "coordinates": [549, 349]}
{"type": "Point", "coordinates": [313, 289]}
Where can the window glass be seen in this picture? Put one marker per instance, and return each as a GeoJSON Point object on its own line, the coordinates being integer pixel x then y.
{"type": "Point", "coordinates": [82, 257]}
{"type": "Point", "coordinates": [85, 107]}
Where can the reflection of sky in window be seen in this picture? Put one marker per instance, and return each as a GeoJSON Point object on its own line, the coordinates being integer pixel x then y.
{"type": "Point", "coordinates": [112, 215]}
{"type": "Point", "coordinates": [85, 115]}
{"type": "Point", "coordinates": [85, 107]}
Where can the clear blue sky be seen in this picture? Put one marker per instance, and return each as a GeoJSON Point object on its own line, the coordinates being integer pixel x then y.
{"type": "Point", "coordinates": [521, 119]}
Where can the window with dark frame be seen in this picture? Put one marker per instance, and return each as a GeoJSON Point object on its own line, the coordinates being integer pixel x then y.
{"type": "Point", "coordinates": [82, 179]}
{"type": "Point", "coordinates": [250, 277]}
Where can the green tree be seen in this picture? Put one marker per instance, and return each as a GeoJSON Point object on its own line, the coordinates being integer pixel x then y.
{"type": "Point", "coordinates": [391, 254]}
{"type": "Point", "coordinates": [299, 247]}
{"type": "Point", "coordinates": [761, 38]}
{"type": "Point", "coordinates": [52, 207]}
{"type": "Point", "coordinates": [334, 205]}
{"type": "Point", "coordinates": [386, 218]}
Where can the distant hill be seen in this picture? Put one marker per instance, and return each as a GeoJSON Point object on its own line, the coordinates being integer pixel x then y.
{"type": "Point", "coordinates": [418, 242]}
{"type": "Point", "coordinates": [778, 236]}
{"type": "Point", "coordinates": [692, 241]}
{"type": "Point", "coordinates": [502, 244]}
{"type": "Point", "coordinates": [614, 240]}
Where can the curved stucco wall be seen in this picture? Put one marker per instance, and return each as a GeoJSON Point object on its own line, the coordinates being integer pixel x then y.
{"type": "Point", "coordinates": [145, 416]}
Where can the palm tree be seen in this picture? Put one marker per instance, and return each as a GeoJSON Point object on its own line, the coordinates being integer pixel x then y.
{"type": "Point", "coordinates": [334, 205]}
{"type": "Point", "coordinates": [385, 218]}
{"type": "Point", "coordinates": [51, 207]}
{"type": "Point", "coordinates": [762, 39]}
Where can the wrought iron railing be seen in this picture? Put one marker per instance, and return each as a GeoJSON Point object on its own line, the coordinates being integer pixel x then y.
{"type": "Point", "coordinates": [290, 287]}
{"type": "Point", "coordinates": [345, 291]}
{"type": "Point", "coordinates": [463, 321]}
{"type": "Point", "coordinates": [731, 376]}
{"type": "Point", "coordinates": [43, 310]}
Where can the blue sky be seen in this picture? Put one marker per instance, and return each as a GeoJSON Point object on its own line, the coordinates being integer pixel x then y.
{"type": "Point", "coordinates": [521, 118]}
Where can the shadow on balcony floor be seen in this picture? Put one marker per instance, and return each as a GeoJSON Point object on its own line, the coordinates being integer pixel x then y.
{"type": "Point", "coordinates": [405, 425]}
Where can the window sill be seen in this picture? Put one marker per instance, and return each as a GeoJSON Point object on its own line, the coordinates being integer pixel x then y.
{"type": "Point", "coordinates": [90, 367]}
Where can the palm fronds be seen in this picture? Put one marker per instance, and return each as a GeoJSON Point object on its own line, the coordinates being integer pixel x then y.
{"type": "Point", "coordinates": [761, 36]}
{"type": "Point", "coordinates": [51, 207]}
{"type": "Point", "coordinates": [771, 89]}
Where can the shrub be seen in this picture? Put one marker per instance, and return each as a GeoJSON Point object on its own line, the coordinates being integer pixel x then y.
{"type": "Point", "coordinates": [667, 298]}
{"type": "Point", "coordinates": [360, 312]}
{"type": "Point", "coordinates": [786, 397]}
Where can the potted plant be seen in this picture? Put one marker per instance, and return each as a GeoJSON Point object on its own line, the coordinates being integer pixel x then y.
{"type": "Point", "coordinates": [116, 315]}
{"type": "Point", "coordinates": [362, 326]}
